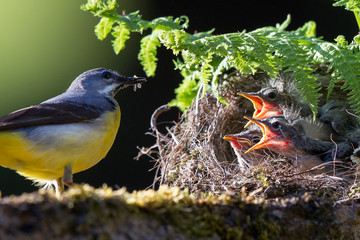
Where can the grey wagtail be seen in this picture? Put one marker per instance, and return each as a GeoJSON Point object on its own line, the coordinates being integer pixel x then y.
{"type": "Point", "coordinates": [66, 134]}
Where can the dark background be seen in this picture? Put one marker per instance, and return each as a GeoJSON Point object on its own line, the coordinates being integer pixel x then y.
{"type": "Point", "coordinates": [49, 44]}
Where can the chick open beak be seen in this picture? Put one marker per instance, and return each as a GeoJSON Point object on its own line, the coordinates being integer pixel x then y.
{"type": "Point", "coordinates": [233, 137]}
{"type": "Point", "coordinates": [269, 138]}
{"type": "Point", "coordinates": [257, 101]}
{"type": "Point", "coordinates": [237, 142]}
{"type": "Point", "coordinates": [263, 109]}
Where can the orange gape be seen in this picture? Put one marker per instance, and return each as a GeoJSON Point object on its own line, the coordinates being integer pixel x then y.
{"type": "Point", "coordinates": [263, 109]}
{"type": "Point", "coordinates": [269, 139]}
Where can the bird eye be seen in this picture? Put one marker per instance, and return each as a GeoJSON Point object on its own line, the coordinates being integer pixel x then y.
{"type": "Point", "coordinates": [326, 121]}
{"type": "Point", "coordinates": [106, 75]}
{"type": "Point", "coordinates": [272, 95]}
{"type": "Point", "coordinates": [256, 140]}
{"type": "Point", "coordinates": [275, 125]}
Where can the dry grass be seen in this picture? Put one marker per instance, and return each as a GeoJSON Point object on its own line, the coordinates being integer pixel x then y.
{"type": "Point", "coordinates": [192, 153]}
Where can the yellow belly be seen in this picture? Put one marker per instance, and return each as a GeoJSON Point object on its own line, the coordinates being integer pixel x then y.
{"type": "Point", "coordinates": [42, 153]}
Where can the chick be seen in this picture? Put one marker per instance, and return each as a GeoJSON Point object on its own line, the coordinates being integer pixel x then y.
{"type": "Point", "coordinates": [280, 94]}
{"type": "Point", "coordinates": [289, 138]}
{"type": "Point", "coordinates": [241, 142]}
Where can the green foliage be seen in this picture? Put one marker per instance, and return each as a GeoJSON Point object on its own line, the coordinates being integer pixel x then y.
{"type": "Point", "coordinates": [350, 5]}
{"type": "Point", "coordinates": [147, 54]}
{"type": "Point", "coordinates": [203, 57]}
{"type": "Point", "coordinates": [185, 93]}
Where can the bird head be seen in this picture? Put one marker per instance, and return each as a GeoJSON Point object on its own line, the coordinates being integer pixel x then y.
{"type": "Point", "coordinates": [244, 140]}
{"type": "Point", "coordinates": [266, 102]}
{"type": "Point", "coordinates": [102, 81]}
{"type": "Point", "coordinates": [238, 142]}
{"type": "Point", "coordinates": [241, 142]}
{"type": "Point", "coordinates": [277, 134]}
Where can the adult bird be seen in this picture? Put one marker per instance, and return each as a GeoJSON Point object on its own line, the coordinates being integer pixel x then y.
{"type": "Point", "coordinates": [291, 140]}
{"type": "Point", "coordinates": [66, 134]}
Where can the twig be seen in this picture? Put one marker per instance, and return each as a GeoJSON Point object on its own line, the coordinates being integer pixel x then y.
{"type": "Point", "coordinates": [155, 115]}
{"type": "Point", "coordinates": [159, 137]}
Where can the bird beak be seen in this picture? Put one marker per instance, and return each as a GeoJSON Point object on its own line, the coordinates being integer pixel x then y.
{"type": "Point", "coordinates": [233, 137]}
{"type": "Point", "coordinates": [269, 138]}
{"type": "Point", "coordinates": [263, 109]}
{"type": "Point", "coordinates": [237, 142]}
{"type": "Point", "coordinates": [125, 82]}
{"type": "Point", "coordinates": [131, 80]}
{"type": "Point", "coordinates": [257, 101]}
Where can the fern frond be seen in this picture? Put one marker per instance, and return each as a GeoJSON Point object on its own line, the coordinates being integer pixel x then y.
{"type": "Point", "coordinates": [350, 5]}
{"type": "Point", "coordinates": [168, 23]}
{"type": "Point", "coordinates": [147, 54]}
{"type": "Point", "coordinates": [309, 87]}
{"type": "Point", "coordinates": [204, 57]}
{"type": "Point", "coordinates": [346, 67]}
{"type": "Point", "coordinates": [173, 39]}
{"type": "Point", "coordinates": [205, 74]}
{"type": "Point", "coordinates": [121, 34]}
{"type": "Point", "coordinates": [185, 93]}
{"type": "Point", "coordinates": [101, 8]}
{"type": "Point", "coordinates": [104, 27]}
{"type": "Point", "coordinates": [308, 30]}
{"type": "Point", "coordinates": [133, 22]}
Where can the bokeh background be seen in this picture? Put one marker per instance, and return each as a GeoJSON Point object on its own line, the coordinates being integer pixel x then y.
{"type": "Point", "coordinates": [45, 44]}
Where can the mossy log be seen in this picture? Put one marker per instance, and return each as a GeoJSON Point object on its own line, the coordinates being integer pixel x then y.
{"type": "Point", "coordinates": [170, 213]}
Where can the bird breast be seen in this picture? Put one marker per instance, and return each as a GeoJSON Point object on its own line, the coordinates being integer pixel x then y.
{"type": "Point", "coordinates": [42, 152]}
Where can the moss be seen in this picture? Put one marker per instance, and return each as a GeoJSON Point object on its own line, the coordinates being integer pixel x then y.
{"type": "Point", "coordinates": [167, 213]}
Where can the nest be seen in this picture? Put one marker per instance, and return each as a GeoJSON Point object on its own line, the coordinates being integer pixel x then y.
{"type": "Point", "coordinates": [192, 154]}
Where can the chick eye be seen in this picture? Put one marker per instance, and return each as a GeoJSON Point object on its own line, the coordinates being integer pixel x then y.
{"type": "Point", "coordinates": [326, 121]}
{"type": "Point", "coordinates": [272, 95]}
{"type": "Point", "coordinates": [106, 75]}
{"type": "Point", "coordinates": [256, 140]}
{"type": "Point", "coordinates": [275, 125]}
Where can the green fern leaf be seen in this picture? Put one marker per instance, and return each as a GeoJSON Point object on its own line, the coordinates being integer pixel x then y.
{"type": "Point", "coordinates": [351, 5]}
{"type": "Point", "coordinates": [205, 74]}
{"type": "Point", "coordinates": [174, 39]}
{"type": "Point", "coordinates": [185, 93]}
{"type": "Point", "coordinates": [101, 8]}
{"type": "Point", "coordinates": [308, 30]}
{"type": "Point", "coordinates": [147, 54]}
{"type": "Point", "coordinates": [167, 23]}
{"type": "Point", "coordinates": [285, 24]}
{"type": "Point", "coordinates": [204, 57]}
{"type": "Point", "coordinates": [103, 28]}
{"type": "Point", "coordinates": [121, 34]}
{"type": "Point", "coordinates": [133, 22]}
{"type": "Point", "coordinates": [308, 86]}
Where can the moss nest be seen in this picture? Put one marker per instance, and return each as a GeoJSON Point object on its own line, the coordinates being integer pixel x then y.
{"type": "Point", "coordinates": [192, 154]}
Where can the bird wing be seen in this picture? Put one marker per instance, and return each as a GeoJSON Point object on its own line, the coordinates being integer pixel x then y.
{"type": "Point", "coordinates": [49, 113]}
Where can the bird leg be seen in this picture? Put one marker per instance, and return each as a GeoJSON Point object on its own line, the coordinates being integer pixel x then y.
{"type": "Point", "coordinates": [59, 186]}
{"type": "Point", "coordinates": [67, 178]}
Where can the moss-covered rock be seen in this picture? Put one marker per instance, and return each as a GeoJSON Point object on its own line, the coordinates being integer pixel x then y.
{"type": "Point", "coordinates": [170, 213]}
